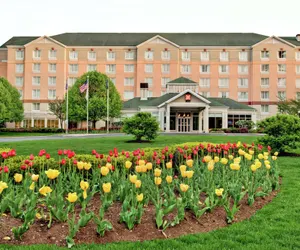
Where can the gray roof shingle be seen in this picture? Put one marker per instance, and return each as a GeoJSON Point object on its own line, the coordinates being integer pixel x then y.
{"type": "Point", "coordinates": [182, 80]}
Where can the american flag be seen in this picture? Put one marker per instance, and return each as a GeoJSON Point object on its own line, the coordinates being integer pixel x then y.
{"type": "Point", "coordinates": [83, 87]}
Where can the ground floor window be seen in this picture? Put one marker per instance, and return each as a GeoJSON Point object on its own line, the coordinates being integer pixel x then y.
{"type": "Point", "coordinates": [27, 123]}
{"type": "Point", "coordinates": [215, 120]}
{"type": "Point", "coordinates": [52, 124]}
{"type": "Point", "coordinates": [172, 121]}
{"type": "Point", "coordinates": [195, 121]}
{"type": "Point", "coordinates": [17, 124]}
{"type": "Point", "coordinates": [232, 119]}
{"type": "Point", "coordinates": [39, 123]}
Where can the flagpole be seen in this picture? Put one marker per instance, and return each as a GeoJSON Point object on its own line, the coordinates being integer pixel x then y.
{"type": "Point", "coordinates": [107, 105]}
{"type": "Point", "coordinates": [87, 106]}
{"type": "Point", "coordinates": [67, 111]}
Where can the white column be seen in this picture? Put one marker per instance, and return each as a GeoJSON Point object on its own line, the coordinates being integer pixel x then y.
{"type": "Point", "coordinates": [225, 119]}
{"type": "Point", "coordinates": [46, 120]}
{"type": "Point", "coordinates": [200, 122]}
{"type": "Point", "coordinates": [22, 124]}
{"type": "Point", "coordinates": [253, 117]}
{"type": "Point", "coordinates": [162, 118]}
{"type": "Point", "coordinates": [206, 119]}
{"type": "Point", "coordinates": [32, 122]}
{"type": "Point", "coordinates": [168, 119]}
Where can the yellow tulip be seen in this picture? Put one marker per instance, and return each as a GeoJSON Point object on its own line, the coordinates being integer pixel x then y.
{"type": "Point", "coordinates": [251, 152]}
{"type": "Point", "coordinates": [169, 165]}
{"type": "Point", "coordinates": [3, 185]}
{"type": "Point", "coordinates": [241, 152]}
{"type": "Point", "coordinates": [139, 197]}
{"type": "Point", "coordinates": [132, 178]}
{"type": "Point", "coordinates": [80, 165]}
{"type": "Point", "coordinates": [190, 163]}
{"type": "Point", "coordinates": [216, 159]}
{"type": "Point", "coordinates": [138, 183]}
{"type": "Point", "coordinates": [106, 187]}
{"type": "Point", "coordinates": [237, 160]}
{"type": "Point", "coordinates": [18, 177]}
{"type": "Point", "coordinates": [45, 190]}
{"type": "Point", "coordinates": [248, 157]}
{"type": "Point", "coordinates": [182, 168]}
{"type": "Point", "coordinates": [87, 166]}
{"type": "Point", "coordinates": [104, 171]}
{"type": "Point", "coordinates": [35, 177]}
{"type": "Point", "coordinates": [31, 187]}
{"type": "Point", "coordinates": [238, 144]}
{"type": "Point", "coordinates": [253, 167]}
{"type": "Point", "coordinates": [72, 197]}
{"type": "Point", "coordinates": [183, 174]}
{"type": "Point", "coordinates": [157, 181]}
{"type": "Point", "coordinates": [189, 174]}
{"type": "Point", "coordinates": [144, 168]}
{"type": "Point", "coordinates": [276, 153]}
{"type": "Point", "coordinates": [219, 191]}
{"type": "Point", "coordinates": [268, 166]}
{"type": "Point", "coordinates": [141, 162]}
{"type": "Point", "coordinates": [84, 185]}
{"type": "Point", "coordinates": [235, 166]}
{"type": "Point", "coordinates": [258, 164]}
{"type": "Point", "coordinates": [230, 157]}
{"type": "Point", "coordinates": [157, 172]}
{"type": "Point", "coordinates": [149, 165]}
{"type": "Point", "coordinates": [260, 156]}
{"type": "Point", "coordinates": [138, 169]}
{"type": "Point", "coordinates": [109, 166]}
{"type": "Point", "coordinates": [266, 153]}
{"type": "Point", "coordinates": [267, 162]}
{"type": "Point", "coordinates": [211, 165]}
{"type": "Point", "coordinates": [128, 164]}
{"type": "Point", "coordinates": [52, 173]}
{"type": "Point", "coordinates": [169, 179]}
{"type": "Point", "coordinates": [266, 157]}
{"type": "Point", "coordinates": [184, 187]}
{"type": "Point", "coordinates": [84, 195]}
{"type": "Point", "coordinates": [207, 158]}
{"type": "Point", "coordinates": [224, 161]}
{"type": "Point", "coordinates": [274, 158]}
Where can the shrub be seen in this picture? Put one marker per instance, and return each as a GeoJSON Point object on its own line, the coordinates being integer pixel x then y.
{"type": "Point", "coordinates": [141, 125]}
{"type": "Point", "coordinates": [32, 130]}
{"type": "Point", "coordinates": [245, 124]}
{"type": "Point", "coordinates": [283, 132]}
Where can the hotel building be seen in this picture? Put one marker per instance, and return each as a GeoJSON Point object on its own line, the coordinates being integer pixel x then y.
{"type": "Point", "coordinates": [249, 69]}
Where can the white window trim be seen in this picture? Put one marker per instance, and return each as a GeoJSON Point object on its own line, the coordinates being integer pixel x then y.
{"type": "Point", "coordinates": [73, 59]}
{"type": "Point", "coordinates": [36, 58]}
{"type": "Point", "coordinates": [264, 99]}
{"type": "Point", "coordinates": [264, 58]}
{"type": "Point", "coordinates": [162, 68]}
{"type": "Point", "coordinates": [186, 72]}
{"type": "Point", "coordinates": [281, 59]}
{"type": "Point", "coordinates": [91, 58]}
{"type": "Point", "coordinates": [151, 71]}
{"type": "Point", "coordinates": [298, 83]}
{"type": "Point", "coordinates": [36, 110]}
{"type": "Point", "coordinates": [204, 59]}
{"type": "Point", "coordinates": [51, 77]}
{"type": "Point", "coordinates": [108, 71]}
{"type": "Point", "coordinates": [151, 58]}
{"type": "Point", "coordinates": [281, 72]}
{"type": "Point", "coordinates": [166, 58]}
{"type": "Point", "coordinates": [241, 72]}
{"type": "Point", "coordinates": [264, 72]}
{"type": "Point", "coordinates": [129, 58]}
{"type": "Point", "coordinates": [36, 71]}
{"type": "Point", "coordinates": [204, 85]}
{"type": "Point", "coordinates": [127, 65]}
{"type": "Point", "coordinates": [36, 84]}
{"type": "Point", "coordinates": [224, 59]}
{"type": "Point", "coordinates": [71, 71]}
{"type": "Point", "coordinates": [112, 58]}
{"type": "Point", "coordinates": [243, 86]}
{"type": "Point", "coordinates": [240, 58]}
{"type": "Point", "coordinates": [186, 59]}
{"type": "Point", "coordinates": [36, 98]}
{"type": "Point", "coordinates": [19, 58]}
{"type": "Point", "coordinates": [51, 97]}
{"type": "Point", "coordinates": [49, 68]}
{"type": "Point", "coordinates": [224, 86]}
{"type": "Point", "coordinates": [264, 112]}
{"type": "Point", "coordinates": [264, 86]}
{"type": "Point", "coordinates": [224, 73]}
{"type": "Point", "coordinates": [281, 85]}
{"type": "Point", "coordinates": [49, 55]}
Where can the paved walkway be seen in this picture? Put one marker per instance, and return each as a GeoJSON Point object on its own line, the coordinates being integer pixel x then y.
{"type": "Point", "coordinates": [74, 136]}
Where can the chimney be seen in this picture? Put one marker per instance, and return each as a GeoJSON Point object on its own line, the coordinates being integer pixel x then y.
{"type": "Point", "coordinates": [298, 37]}
{"type": "Point", "coordinates": [144, 90]}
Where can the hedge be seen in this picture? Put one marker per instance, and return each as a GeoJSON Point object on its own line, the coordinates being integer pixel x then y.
{"type": "Point", "coordinates": [32, 130]}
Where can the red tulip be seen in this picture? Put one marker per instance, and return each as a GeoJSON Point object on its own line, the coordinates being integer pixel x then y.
{"type": "Point", "coordinates": [127, 155]}
{"type": "Point", "coordinates": [116, 155]}
{"type": "Point", "coordinates": [26, 161]}
{"type": "Point", "coordinates": [110, 153]}
{"type": "Point", "coordinates": [31, 157]}
{"type": "Point", "coordinates": [166, 148]}
{"type": "Point", "coordinates": [4, 155]}
{"type": "Point", "coordinates": [5, 169]}
{"type": "Point", "coordinates": [123, 152]}
{"type": "Point", "coordinates": [63, 162]}
{"type": "Point", "coordinates": [142, 153]}
{"type": "Point", "coordinates": [75, 162]}
{"type": "Point", "coordinates": [163, 151]}
{"type": "Point", "coordinates": [269, 148]}
{"type": "Point", "coordinates": [195, 152]}
{"type": "Point", "coordinates": [186, 147]}
{"type": "Point", "coordinates": [0, 169]}
{"type": "Point", "coordinates": [30, 164]}
{"type": "Point", "coordinates": [97, 156]}
{"type": "Point", "coordinates": [163, 157]}
{"type": "Point", "coordinates": [23, 167]}
{"type": "Point", "coordinates": [108, 159]}
{"type": "Point", "coordinates": [175, 177]}
{"type": "Point", "coordinates": [47, 156]}
{"type": "Point", "coordinates": [158, 161]}
{"type": "Point", "coordinates": [70, 155]}
{"type": "Point", "coordinates": [59, 152]}
{"type": "Point", "coordinates": [203, 160]}
{"type": "Point", "coordinates": [101, 156]}
{"type": "Point", "coordinates": [115, 151]}
{"type": "Point", "coordinates": [42, 152]}
{"type": "Point", "coordinates": [171, 156]}
{"type": "Point", "coordinates": [94, 152]}
{"type": "Point", "coordinates": [189, 157]}
{"type": "Point", "coordinates": [65, 151]}
{"type": "Point", "coordinates": [112, 168]}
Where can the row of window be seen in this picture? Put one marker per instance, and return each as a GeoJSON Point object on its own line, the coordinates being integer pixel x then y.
{"type": "Point", "coordinates": [36, 93]}
{"type": "Point", "coordinates": [149, 55]}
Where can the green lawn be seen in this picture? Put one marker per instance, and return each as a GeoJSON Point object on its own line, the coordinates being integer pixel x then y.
{"type": "Point", "coordinates": [276, 226]}
{"type": "Point", "coordinates": [104, 144]}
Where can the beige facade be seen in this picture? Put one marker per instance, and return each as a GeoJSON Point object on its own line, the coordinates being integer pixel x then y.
{"type": "Point", "coordinates": [255, 73]}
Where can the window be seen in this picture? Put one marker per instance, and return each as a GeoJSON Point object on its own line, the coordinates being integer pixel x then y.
{"type": "Point", "coordinates": [111, 56]}
{"type": "Point", "coordinates": [52, 80]}
{"type": "Point", "coordinates": [21, 93]}
{"type": "Point", "coordinates": [281, 95]}
{"type": "Point", "coordinates": [298, 55]}
{"type": "Point", "coordinates": [264, 82]}
{"type": "Point", "coordinates": [129, 55]}
{"type": "Point", "coordinates": [224, 56]}
{"type": "Point", "coordinates": [185, 69]}
{"type": "Point", "coordinates": [224, 94]}
{"type": "Point", "coordinates": [19, 68]}
{"type": "Point", "coordinates": [71, 81]}
{"type": "Point", "coordinates": [165, 55]}
{"type": "Point", "coordinates": [73, 68]}
{"type": "Point", "coordinates": [148, 68]}
{"type": "Point", "coordinates": [204, 68]}
{"type": "Point", "coordinates": [73, 55]}
{"type": "Point", "coordinates": [223, 69]}
{"type": "Point", "coordinates": [165, 68]}
{"type": "Point", "coordinates": [264, 95]}
{"type": "Point", "coordinates": [205, 94]}
{"type": "Point", "coordinates": [111, 68]}
{"type": "Point", "coordinates": [51, 94]}
{"type": "Point", "coordinates": [149, 80]}
{"type": "Point", "coordinates": [36, 80]}
{"type": "Point", "coordinates": [282, 54]}
{"type": "Point", "coordinates": [19, 81]}
{"type": "Point", "coordinates": [223, 83]}
{"type": "Point", "coordinates": [164, 81]}
{"type": "Point", "coordinates": [281, 68]}
{"type": "Point", "coordinates": [281, 83]}
{"type": "Point", "coordinates": [37, 67]}
{"type": "Point", "coordinates": [204, 56]}
{"type": "Point", "coordinates": [298, 83]}
{"type": "Point", "coordinates": [128, 95]}
{"type": "Point", "coordinates": [92, 67]}
{"type": "Point", "coordinates": [150, 93]}
{"type": "Point", "coordinates": [128, 68]}
{"type": "Point", "coordinates": [265, 68]}
{"type": "Point", "coordinates": [204, 82]}
{"type": "Point", "coordinates": [243, 69]}
{"type": "Point", "coordinates": [243, 96]}
{"type": "Point", "coordinates": [298, 69]}
{"type": "Point", "coordinates": [52, 67]}
{"type": "Point", "coordinates": [19, 54]}
{"type": "Point", "coordinates": [264, 108]}
{"type": "Point", "coordinates": [265, 54]}
{"type": "Point", "coordinates": [37, 54]}
{"type": "Point", "coordinates": [113, 79]}
{"type": "Point", "coordinates": [92, 55]}
{"type": "Point", "coordinates": [129, 81]}
{"type": "Point", "coordinates": [185, 56]}
{"type": "Point", "coordinates": [243, 56]}
{"type": "Point", "coordinates": [35, 106]}
{"type": "Point", "coordinates": [298, 96]}
{"type": "Point", "coordinates": [243, 82]}
{"type": "Point", "coordinates": [52, 54]}
{"type": "Point", "coordinates": [149, 55]}
{"type": "Point", "coordinates": [35, 94]}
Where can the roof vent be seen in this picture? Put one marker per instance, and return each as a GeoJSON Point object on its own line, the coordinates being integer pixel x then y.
{"type": "Point", "coordinates": [298, 37]}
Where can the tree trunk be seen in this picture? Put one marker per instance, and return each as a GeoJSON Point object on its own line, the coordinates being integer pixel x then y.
{"type": "Point", "coordinates": [94, 124]}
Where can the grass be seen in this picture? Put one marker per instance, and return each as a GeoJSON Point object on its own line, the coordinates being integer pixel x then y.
{"type": "Point", "coordinates": [276, 226]}
{"type": "Point", "coordinates": [104, 144]}
{"type": "Point", "coordinates": [19, 134]}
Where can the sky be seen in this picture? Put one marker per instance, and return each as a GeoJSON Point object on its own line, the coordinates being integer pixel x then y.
{"type": "Point", "coordinates": [51, 17]}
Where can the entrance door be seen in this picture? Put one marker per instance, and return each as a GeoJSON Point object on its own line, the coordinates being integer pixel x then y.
{"type": "Point", "coordinates": [184, 124]}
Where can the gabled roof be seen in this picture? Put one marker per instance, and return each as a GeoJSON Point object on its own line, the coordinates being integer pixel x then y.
{"type": "Point", "coordinates": [19, 40]}
{"type": "Point", "coordinates": [231, 104]}
{"type": "Point", "coordinates": [182, 80]}
{"type": "Point", "coordinates": [274, 37]}
{"type": "Point", "coordinates": [134, 39]}
{"type": "Point", "coordinates": [291, 39]}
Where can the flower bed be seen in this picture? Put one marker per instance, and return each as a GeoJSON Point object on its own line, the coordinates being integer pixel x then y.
{"type": "Point", "coordinates": [161, 186]}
